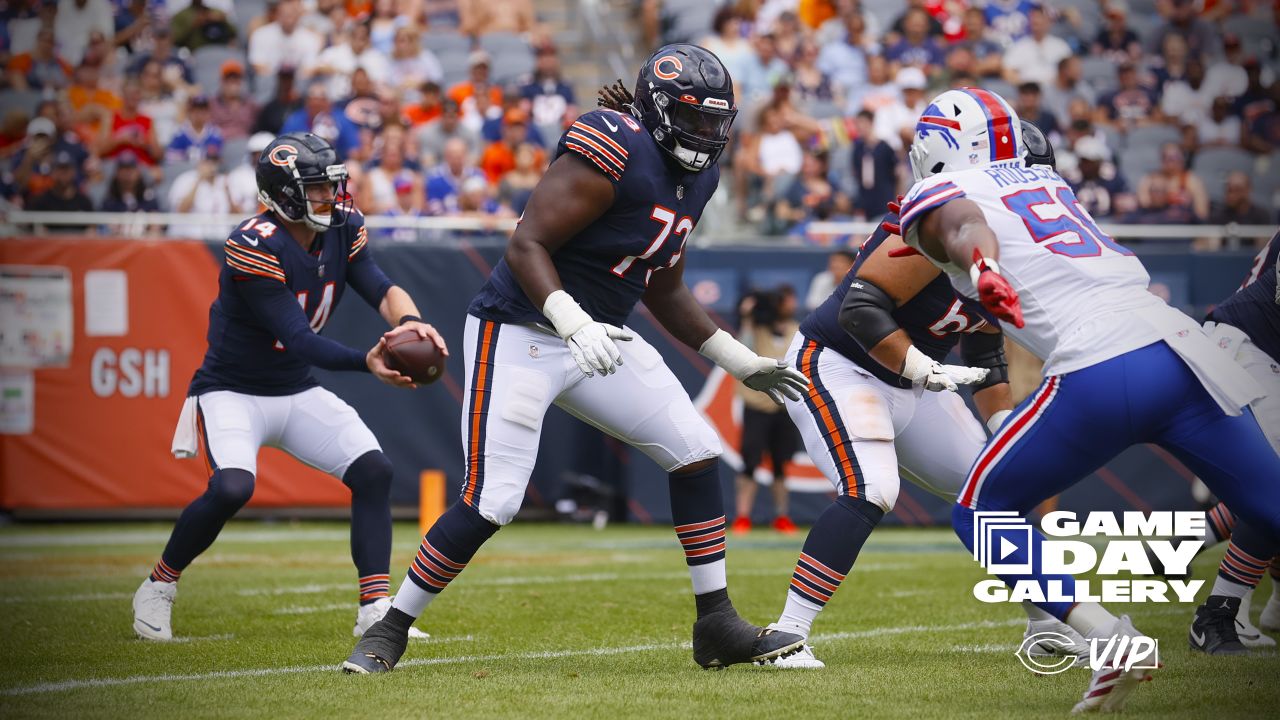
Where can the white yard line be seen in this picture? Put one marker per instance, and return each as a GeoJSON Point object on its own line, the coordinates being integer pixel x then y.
{"type": "Point", "coordinates": [147, 537]}
{"type": "Point", "coordinates": [66, 685]}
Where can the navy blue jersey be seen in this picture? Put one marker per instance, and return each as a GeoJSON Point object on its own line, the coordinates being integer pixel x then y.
{"type": "Point", "coordinates": [607, 266]}
{"type": "Point", "coordinates": [933, 319]}
{"type": "Point", "coordinates": [274, 297]}
{"type": "Point", "coordinates": [1255, 307]}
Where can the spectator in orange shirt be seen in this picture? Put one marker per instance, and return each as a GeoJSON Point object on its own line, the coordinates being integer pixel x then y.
{"type": "Point", "coordinates": [429, 105]}
{"type": "Point", "coordinates": [40, 69]}
{"type": "Point", "coordinates": [91, 104]}
{"type": "Point", "coordinates": [500, 157]}
{"type": "Point", "coordinates": [478, 81]}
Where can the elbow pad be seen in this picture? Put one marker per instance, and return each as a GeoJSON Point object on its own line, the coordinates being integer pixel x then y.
{"type": "Point", "coordinates": [867, 313]}
{"type": "Point", "coordinates": [986, 350]}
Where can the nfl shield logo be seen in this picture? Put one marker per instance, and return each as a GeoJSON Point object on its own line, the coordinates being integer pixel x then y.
{"type": "Point", "coordinates": [320, 271]}
{"type": "Point", "coordinates": [679, 192]}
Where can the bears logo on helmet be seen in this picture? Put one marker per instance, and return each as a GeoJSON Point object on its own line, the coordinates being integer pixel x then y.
{"type": "Point", "coordinates": [282, 155]}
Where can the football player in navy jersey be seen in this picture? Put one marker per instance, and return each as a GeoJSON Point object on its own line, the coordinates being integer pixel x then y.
{"type": "Point", "coordinates": [604, 229]}
{"type": "Point", "coordinates": [881, 404]}
{"type": "Point", "coordinates": [284, 271]}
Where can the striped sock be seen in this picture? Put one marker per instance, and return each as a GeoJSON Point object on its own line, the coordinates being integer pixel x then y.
{"type": "Point", "coordinates": [829, 552]}
{"type": "Point", "coordinates": [445, 550]}
{"type": "Point", "coordinates": [163, 572]}
{"type": "Point", "coordinates": [697, 512]}
{"type": "Point", "coordinates": [1275, 569]}
{"type": "Point", "coordinates": [374, 588]}
{"type": "Point", "coordinates": [1219, 525]}
{"type": "Point", "coordinates": [1238, 573]}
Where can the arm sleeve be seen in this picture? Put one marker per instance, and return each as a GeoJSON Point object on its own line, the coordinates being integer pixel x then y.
{"type": "Point", "coordinates": [363, 274]}
{"type": "Point", "coordinates": [278, 310]}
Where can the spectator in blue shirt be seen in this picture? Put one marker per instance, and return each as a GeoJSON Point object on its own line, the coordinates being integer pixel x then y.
{"type": "Point", "coordinates": [318, 116]}
{"type": "Point", "coordinates": [192, 141]}
{"type": "Point", "coordinates": [916, 47]}
{"type": "Point", "coordinates": [550, 98]}
{"type": "Point", "coordinates": [444, 182]}
{"type": "Point", "coordinates": [875, 168]}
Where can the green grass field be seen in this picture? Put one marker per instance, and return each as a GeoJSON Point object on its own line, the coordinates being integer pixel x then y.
{"type": "Point", "coordinates": [548, 621]}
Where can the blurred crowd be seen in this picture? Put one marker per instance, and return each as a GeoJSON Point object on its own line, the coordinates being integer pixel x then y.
{"type": "Point", "coordinates": [1162, 111]}
{"type": "Point", "coordinates": [437, 107]}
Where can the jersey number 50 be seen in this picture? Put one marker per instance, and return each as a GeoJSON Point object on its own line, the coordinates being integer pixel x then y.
{"type": "Point", "coordinates": [1050, 217]}
{"type": "Point", "coordinates": [681, 230]}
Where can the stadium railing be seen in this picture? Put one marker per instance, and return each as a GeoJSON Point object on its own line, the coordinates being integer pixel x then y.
{"type": "Point", "coordinates": [20, 221]}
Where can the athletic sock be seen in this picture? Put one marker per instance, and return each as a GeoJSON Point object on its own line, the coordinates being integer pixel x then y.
{"type": "Point", "coordinates": [1242, 567]}
{"type": "Point", "coordinates": [369, 479]}
{"type": "Point", "coordinates": [163, 573]}
{"type": "Point", "coordinates": [1034, 612]}
{"type": "Point", "coordinates": [1091, 620]}
{"type": "Point", "coordinates": [1275, 570]}
{"type": "Point", "coordinates": [697, 510]}
{"type": "Point", "coordinates": [445, 550]}
{"type": "Point", "coordinates": [828, 554]}
{"type": "Point", "coordinates": [1219, 522]}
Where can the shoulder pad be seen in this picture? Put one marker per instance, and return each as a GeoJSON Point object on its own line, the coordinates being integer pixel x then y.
{"type": "Point", "coordinates": [603, 137]}
{"type": "Point", "coordinates": [928, 194]}
{"type": "Point", "coordinates": [248, 254]}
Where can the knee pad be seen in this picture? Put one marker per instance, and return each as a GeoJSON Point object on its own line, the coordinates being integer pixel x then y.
{"type": "Point", "coordinates": [231, 487]}
{"type": "Point", "coordinates": [370, 473]}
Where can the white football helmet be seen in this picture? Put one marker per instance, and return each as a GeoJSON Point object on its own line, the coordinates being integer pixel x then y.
{"type": "Point", "coordinates": [963, 129]}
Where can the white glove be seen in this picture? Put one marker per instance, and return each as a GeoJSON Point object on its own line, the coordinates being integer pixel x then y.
{"type": "Point", "coordinates": [771, 377]}
{"type": "Point", "coordinates": [924, 371]}
{"type": "Point", "coordinates": [590, 343]}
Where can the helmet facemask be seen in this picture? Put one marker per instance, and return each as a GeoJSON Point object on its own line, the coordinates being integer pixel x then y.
{"type": "Point", "coordinates": [318, 214]}
{"type": "Point", "coordinates": [694, 135]}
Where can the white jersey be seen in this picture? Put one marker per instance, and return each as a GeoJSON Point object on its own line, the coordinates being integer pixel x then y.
{"type": "Point", "coordinates": [1084, 297]}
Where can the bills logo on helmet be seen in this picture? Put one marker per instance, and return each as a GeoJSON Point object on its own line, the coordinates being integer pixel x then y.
{"type": "Point", "coordinates": [932, 121]}
{"type": "Point", "coordinates": [283, 155]}
{"type": "Point", "coordinates": [671, 60]}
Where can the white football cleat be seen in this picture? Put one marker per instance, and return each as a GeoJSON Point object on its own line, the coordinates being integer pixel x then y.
{"type": "Point", "coordinates": [153, 610]}
{"type": "Point", "coordinates": [1110, 685]}
{"type": "Point", "coordinates": [1250, 635]}
{"type": "Point", "coordinates": [1077, 648]}
{"type": "Point", "coordinates": [1270, 618]}
{"type": "Point", "coordinates": [373, 612]}
{"type": "Point", "coordinates": [802, 659]}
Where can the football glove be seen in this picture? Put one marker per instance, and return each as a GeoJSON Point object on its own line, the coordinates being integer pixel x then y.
{"type": "Point", "coordinates": [923, 371]}
{"type": "Point", "coordinates": [591, 343]}
{"type": "Point", "coordinates": [772, 377]}
{"type": "Point", "coordinates": [994, 292]}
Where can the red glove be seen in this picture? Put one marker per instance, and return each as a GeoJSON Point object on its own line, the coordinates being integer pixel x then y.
{"type": "Point", "coordinates": [994, 292]}
{"type": "Point", "coordinates": [895, 207]}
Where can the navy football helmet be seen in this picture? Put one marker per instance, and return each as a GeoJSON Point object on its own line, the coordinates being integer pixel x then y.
{"type": "Point", "coordinates": [684, 98]}
{"type": "Point", "coordinates": [1039, 149]}
{"type": "Point", "coordinates": [291, 163]}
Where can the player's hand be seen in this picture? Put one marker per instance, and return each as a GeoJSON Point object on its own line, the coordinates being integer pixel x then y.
{"type": "Point", "coordinates": [424, 331]}
{"type": "Point", "coordinates": [776, 379]}
{"type": "Point", "coordinates": [923, 371]}
{"type": "Point", "coordinates": [594, 349]}
{"type": "Point", "coordinates": [994, 292]}
{"type": "Point", "coordinates": [376, 359]}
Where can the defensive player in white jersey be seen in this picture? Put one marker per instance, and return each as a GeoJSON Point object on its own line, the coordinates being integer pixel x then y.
{"type": "Point", "coordinates": [1121, 366]}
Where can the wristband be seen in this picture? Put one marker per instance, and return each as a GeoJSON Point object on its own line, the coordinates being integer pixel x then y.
{"type": "Point", "coordinates": [408, 318]}
{"type": "Point", "coordinates": [981, 265]}
{"type": "Point", "coordinates": [722, 349]}
{"type": "Point", "coordinates": [565, 314]}
{"type": "Point", "coordinates": [997, 419]}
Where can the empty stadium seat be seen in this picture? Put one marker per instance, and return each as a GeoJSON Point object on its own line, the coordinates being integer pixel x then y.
{"type": "Point", "coordinates": [885, 11]}
{"type": "Point", "coordinates": [1137, 162]}
{"type": "Point", "coordinates": [234, 152]}
{"type": "Point", "coordinates": [689, 22]}
{"type": "Point", "coordinates": [25, 100]}
{"type": "Point", "coordinates": [1099, 72]}
{"type": "Point", "coordinates": [1213, 164]}
{"type": "Point", "coordinates": [1152, 136]}
{"type": "Point", "coordinates": [1000, 87]}
{"type": "Point", "coordinates": [444, 43]}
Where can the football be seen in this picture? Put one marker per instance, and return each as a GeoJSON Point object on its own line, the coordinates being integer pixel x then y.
{"type": "Point", "coordinates": [417, 357]}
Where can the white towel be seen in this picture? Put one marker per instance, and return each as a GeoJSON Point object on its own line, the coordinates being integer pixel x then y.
{"type": "Point", "coordinates": [1215, 366]}
{"type": "Point", "coordinates": [186, 443]}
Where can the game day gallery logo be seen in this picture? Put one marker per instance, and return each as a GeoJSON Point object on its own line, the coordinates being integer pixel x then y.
{"type": "Point", "coordinates": [1113, 548]}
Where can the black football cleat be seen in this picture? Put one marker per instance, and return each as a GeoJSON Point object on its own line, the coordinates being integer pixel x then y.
{"type": "Point", "coordinates": [1213, 631]}
{"type": "Point", "coordinates": [378, 651]}
{"type": "Point", "coordinates": [721, 639]}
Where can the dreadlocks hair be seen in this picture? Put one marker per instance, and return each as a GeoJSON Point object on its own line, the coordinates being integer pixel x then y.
{"type": "Point", "coordinates": [615, 97]}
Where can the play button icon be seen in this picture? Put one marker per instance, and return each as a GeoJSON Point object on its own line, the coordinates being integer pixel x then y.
{"type": "Point", "coordinates": [1007, 548]}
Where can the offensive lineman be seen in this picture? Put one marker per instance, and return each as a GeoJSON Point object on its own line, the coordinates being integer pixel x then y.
{"type": "Point", "coordinates": [871, 351]}
{"type": "Point", "coordinates": [1121, 366]}
{"type": "Point", "coordinates": [606, 227]}
{"type": "Point", "coordinates": [285, 270]}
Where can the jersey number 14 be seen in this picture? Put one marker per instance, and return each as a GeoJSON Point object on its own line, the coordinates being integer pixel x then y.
{"type": "Point", "coordinates": [321, 315]}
